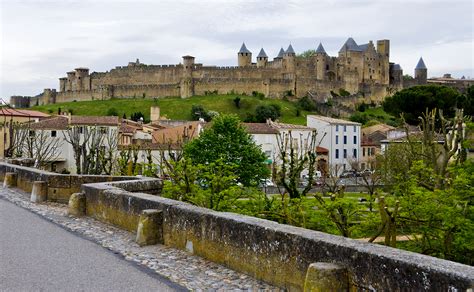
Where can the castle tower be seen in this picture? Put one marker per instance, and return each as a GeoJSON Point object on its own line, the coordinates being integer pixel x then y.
{"type": "Point", "coordinates": [262, 59]}
{"type": "Point", "coordinates": [62, 84]}
{"type": "Point", "coordinates": [244, 56]}
{"type": "Point", "coordinates": [49, 96]}
{"type": "Point", "coordinates": [321, 62]}
{"type": "Point", "coordinates": [82, 79]}
{"type": "Point", "coordinates": [421, 72]}
{"type": "Point", "coordinates": [187, 85]}
{"type": "Point", "coordinates": [289, 59]}
{"type": "Point", "coordinates": [278, 60]}
{"type": "Point", "coordinates": [71, 81]}
{"type": "Point", "coordinates": [383, 48]}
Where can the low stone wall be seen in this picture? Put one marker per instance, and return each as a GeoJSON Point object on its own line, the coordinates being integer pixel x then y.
{"type": "Point", "coordinates": [276, 253]}
{"type": "Point", "coordinates": [60, 186]}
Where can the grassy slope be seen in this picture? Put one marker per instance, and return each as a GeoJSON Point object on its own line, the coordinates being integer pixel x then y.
{"type": "Point", "coordinates": [177, 108]}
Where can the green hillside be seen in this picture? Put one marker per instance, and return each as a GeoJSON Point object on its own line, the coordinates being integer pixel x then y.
{"type": "Point", "coordinates": [177, 108]}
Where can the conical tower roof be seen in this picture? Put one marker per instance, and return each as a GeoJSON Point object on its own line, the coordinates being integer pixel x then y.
{"type": "Point", "coordinates": [280, 53]}
{"type": "Point", "coordinates": [290, 50]}
{"type": "Point", "coordinates": [320, 49]}
{"type": "Point", "coordinates": [243, 49]}
{"type": "Point", "coordinates": [350, 45]}
{"type": "Point", "coordinates": [262, 54]}
{"type": "Point", "coordinates": [421, 64]}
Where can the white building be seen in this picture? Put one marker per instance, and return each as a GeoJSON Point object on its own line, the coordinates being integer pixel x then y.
{"type": "Point", "coordinates": [56, 128]}
{"type": "Point", "coordinates": [267, 135]}
{"type": "Point", "coordinates": [342, 139]}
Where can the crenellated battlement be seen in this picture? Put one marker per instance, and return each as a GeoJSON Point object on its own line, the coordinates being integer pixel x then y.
{"type": "Point", "coordinates": [357, 68]}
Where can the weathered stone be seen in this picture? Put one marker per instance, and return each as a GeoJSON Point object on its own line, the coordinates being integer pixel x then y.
{"type": "Point", "coordinates": [10, 180]}
{"type": "Point", "coordinates": [39, 193]}
{"type": "Point", "coordinates": [150, 227]}
{"type": "Point", "coordinates": [326, 277]}
{"type": "Point", "coordinates": [77, 205]}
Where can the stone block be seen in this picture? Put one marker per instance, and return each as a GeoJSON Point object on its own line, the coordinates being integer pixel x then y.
{"type": "Point", "coordinates": [326, 277]}
{"type": "Point", "coordinates": [10, 180]}
{"type": "Point", "coordinates": [77, 205]}
{"type": "Point", "coordinates": [150, 227]}
{"type": "Point", "coordinates": [39, 193]}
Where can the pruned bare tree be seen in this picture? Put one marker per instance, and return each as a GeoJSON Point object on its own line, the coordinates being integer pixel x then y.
{"type": "Point", "coordinates": [18, 133]}
{"type": "Point", "coordinates": [439, 144]}
{"type": "Point", "coordinates": [108, 151]}
{"type": "Point", "coordinates": [73, 136]}
{"type": "Point", "coordinates": [331, 182]}
{"type": "Point", "coordinates": [45, 147]}
{"type": "Point", "coordinates": [92, 146]}
{"type": "Point", "coordinates": [296, 155]}
{"type": "Point", "coordinates": [173, 151]}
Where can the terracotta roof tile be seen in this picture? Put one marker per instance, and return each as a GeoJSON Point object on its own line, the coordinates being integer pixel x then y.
{"type": "Point", "coordinates": [259, 128]}
{"type": "Point", "coordinates": [22, 113]}
{"type": "Point", "coordinates": [56, 123]}
{"type": "Point", "coordinates": [95, 120]}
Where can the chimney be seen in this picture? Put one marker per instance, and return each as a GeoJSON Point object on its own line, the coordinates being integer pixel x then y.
{"type": "Point", "coordinates": [154, 113]}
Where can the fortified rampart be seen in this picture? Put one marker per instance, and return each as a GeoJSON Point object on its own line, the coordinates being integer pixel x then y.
{"type": "Point", "coordinates": [358, 69]}
{"type": "Point", "coordinates": [280, 254]}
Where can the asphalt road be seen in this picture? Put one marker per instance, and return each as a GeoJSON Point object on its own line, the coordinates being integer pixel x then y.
{"type": "Point", "coordinates": [37, 255]}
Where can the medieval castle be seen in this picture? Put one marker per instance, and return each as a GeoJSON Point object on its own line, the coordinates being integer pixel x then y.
{"type": "Point", "coordinates": [358, 69]}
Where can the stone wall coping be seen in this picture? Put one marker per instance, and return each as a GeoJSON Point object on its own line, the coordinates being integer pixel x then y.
{"type": "Point", "coordinates": [395, 256]}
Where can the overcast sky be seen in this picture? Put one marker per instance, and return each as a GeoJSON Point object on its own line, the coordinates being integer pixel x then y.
{"type": "Point", "coordinates": [42, 40]}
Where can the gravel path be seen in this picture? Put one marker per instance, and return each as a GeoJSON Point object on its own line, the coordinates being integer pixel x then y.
{"type": "Point", "coordinates": [190, 271]}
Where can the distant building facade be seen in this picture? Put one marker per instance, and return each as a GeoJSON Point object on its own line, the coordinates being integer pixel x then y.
{"type": "Point", "coordinates": [342, 139]}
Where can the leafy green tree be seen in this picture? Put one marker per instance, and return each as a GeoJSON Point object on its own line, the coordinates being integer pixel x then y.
{"type": "Point", "coordinates": [198, 111]}
{"type": "Point", "coordinates": [228, 140]}
{"type": "Point", "coordinates": [307, 54]}
{"type": "Point", "coordinates": [414, 101]}
{"type": "Point", "coordinates": [112, 112]}
{"type": "Point", "coordinates": [306, 103]}
{"type": "Point", "coordinates": [264, 112]}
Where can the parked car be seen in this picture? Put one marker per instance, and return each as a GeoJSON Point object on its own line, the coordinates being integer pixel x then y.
{"type": "Point", "coordinates": [365, 172]}
{"type": "Point", "coordinates": [348, 174]}
{"type": "Point", "coordinates": [266, 183]}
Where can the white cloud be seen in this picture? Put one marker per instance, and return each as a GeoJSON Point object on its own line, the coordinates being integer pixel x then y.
{"type": "Point", "coordinates": [41, 40]}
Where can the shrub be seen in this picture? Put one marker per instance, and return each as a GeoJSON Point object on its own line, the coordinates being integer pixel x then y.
{"type": "Point", "coordinates": [237, 101]}
{"type": "Point", "coordinates": [198, 111]}
{"type": "Point", "coordinates": [358, 117]}
{"type": "Point", "coordinates": [306, 103]}
{"type": "Point", "coordinates": [343, 92]}
{"type": "Point", "coordinates": [137, 116]}
{"type": "Point", "coordinates": [264, 112]}
{"type": "Point", "coordinates": [112, 112]}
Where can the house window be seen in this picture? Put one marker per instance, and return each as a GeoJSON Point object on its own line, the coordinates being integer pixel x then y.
{"type": "Point", "coordinates": [355, 129]}
{"type": "Point", "coordinates": [345, 139]}
{"type": "Point", "coordinates": [337, 139]}
{"type": "Point", "coordinates": [345, 153]}
{"type": "Point", "coordinates": [337, 128]}
{"type": "Point", "coordinates": [354, 153]}
{"type": "Point", "coordinates": [337, 153]}
{"type": "Point", "coordinates": [345, 128]}
{"type": "Point", "coordinates": [53, 133]}
{"type": "Point", "coordinates": [81, 130]}
{"type": "Point", "coordinates": [363, 151]}
{"type": "Point", "coordinates": [103, 130]}
{"type": "Point", "coordinates": [268, 154]}
{"type": "Point", "coordinates": [355, 139]}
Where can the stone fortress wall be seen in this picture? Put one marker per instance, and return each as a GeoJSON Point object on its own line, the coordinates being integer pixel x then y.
{"type": "Point", "coordinates": [357, 69]}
